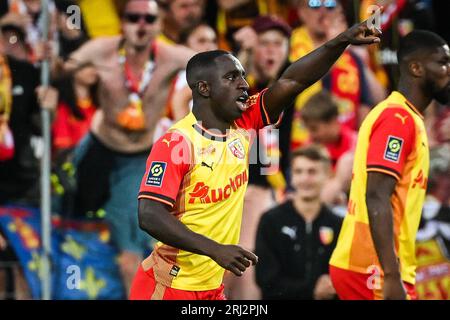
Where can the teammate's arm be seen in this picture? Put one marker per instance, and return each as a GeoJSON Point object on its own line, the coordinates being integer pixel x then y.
{"type": "Point", "coordinates": [156, 219]}
{"type": "Point", "coordinates": [380, 188]}
{"type": "Point", "coordinates": [307, 70]}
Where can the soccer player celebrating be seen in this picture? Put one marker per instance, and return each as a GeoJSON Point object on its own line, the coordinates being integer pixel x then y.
{"type": "Point", "coordinates": [192, 193]}
{"type": "Point", "coordinates": [375, 254]}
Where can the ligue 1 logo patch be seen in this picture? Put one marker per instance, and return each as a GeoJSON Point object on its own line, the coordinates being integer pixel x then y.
{"type": "Point", "coordinates": [156, 174]}
{"type": "Point", "coordinates": [237, 149]}
{"type": "Point", "coordinates": [393, 149]}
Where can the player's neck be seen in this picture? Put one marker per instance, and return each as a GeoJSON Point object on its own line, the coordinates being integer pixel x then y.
{"type": "Point", "coordinates": [308, 209]}
{"type": "Point", "coordinates": [414, 94]}
{"type": "Point", "coordinates": [209, 120]}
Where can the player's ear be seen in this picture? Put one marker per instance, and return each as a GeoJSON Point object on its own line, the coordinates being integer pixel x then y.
{"type": "Point", "coordinates": [416, 69]}
{"type": "Point", "coordinates": [203, 88]}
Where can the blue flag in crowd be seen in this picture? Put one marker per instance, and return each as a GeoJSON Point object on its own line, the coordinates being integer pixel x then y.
{"type": "Point", "coordinates": [84, 264]}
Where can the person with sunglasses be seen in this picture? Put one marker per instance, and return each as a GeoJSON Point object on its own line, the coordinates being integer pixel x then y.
{"type": "Point", "coordinates": [135, 71]}
{"type": "Point", "coordinates": [317, 4]}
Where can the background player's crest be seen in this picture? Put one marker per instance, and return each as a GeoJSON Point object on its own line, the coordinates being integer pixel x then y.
{"type": "Point", "coordinates": [156, 174]}
{"type": "Point", "coordinates": [237, 148]}
{"type": "Point", "coordinates": [326, 235]}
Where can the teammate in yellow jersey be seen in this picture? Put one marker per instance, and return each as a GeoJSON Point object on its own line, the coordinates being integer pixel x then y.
{"type": "Point", "coordinates": [375, 254]}
{"type": "Point", "coordinates": [192, 193]}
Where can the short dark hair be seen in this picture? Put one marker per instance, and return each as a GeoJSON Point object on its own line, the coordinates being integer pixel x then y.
{"type": "Point", "coordinates": [313, 152]}
{"type": "Point", "coordinates": [422, 41]}
{"type": "Point", "coordinates": [200, 65]}
{"type": "Point", "coordinates": [320, 107]}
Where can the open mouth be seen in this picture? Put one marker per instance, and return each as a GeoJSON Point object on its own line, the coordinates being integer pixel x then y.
{"type": "Point", "coordinates": [141, 34]}
{"type": "Point", "coordinates": [270, 63]}
{"type": "Point", "coordinates": [241, 101]}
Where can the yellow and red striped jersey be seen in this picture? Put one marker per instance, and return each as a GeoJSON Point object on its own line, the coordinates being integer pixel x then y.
{"type": "Point", "coordinates": [203, 177]}
{"type": "Point", "coordinates": [391, 140]}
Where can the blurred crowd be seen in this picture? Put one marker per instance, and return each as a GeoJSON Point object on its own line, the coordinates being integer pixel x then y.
{"type": "Point", "coordinates": [118, 82]}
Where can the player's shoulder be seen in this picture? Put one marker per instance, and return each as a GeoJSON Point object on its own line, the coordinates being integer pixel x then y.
{"type": "Point", "coordinates": [182, 131]}
{"type": "Point", "coordinates": [392, 110]}
{"type": "Point", "coordinates": [171, 138]}
{"type": "Point", "coordinates": [173, 147]}
{"type": "Point", "coordinates": [185, 125]}
{"type": "Point", "coordinates": [396, 114]}
{"type": "Point", "coordinates": [394, 104]}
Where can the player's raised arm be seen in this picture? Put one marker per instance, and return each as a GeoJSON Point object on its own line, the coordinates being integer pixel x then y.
{"type": "Point", "coordinates": [309, 69]}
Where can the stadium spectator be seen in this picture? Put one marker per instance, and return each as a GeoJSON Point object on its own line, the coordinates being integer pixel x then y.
{"type": "Point", "coordinates": [231, 15]}
{"type": "Point", "coordinates": [135, 71]}
{"type": "Point", "coordinates": [437, 121]}
{"type": "Point", "coordinates": [295, 239]}
{"type": "Point", "coordinates": [77, 105]}
{"type": "Point", "coordinates": [15, 45]}
{"type": "Point", "coordinates": [199, 38]}
{"type": "Point", "coordinates": [24, 18]}
{"type": "Point", "coordinates": [20, 97]}
{"type": "Point", "coordinates": [320, 115]}
{"type": "Point", "coordinates": [178, 16]}
{"type": "Point", "coordinates": [433, 236]}
{"type": "Point", "coordinates": [27, 14]}
{"type": "Point", "coordinates": [20, 112]}
{"type": "Point", "coordinates": [348, 81]}
{"type": "Point", "coordinates": [264, 52]}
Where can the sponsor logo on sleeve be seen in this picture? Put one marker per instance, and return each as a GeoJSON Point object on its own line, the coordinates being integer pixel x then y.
{"type": "Point", "coordinates": [156, 174]}
{"type": "Point", "coordinates": [393, 149]}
